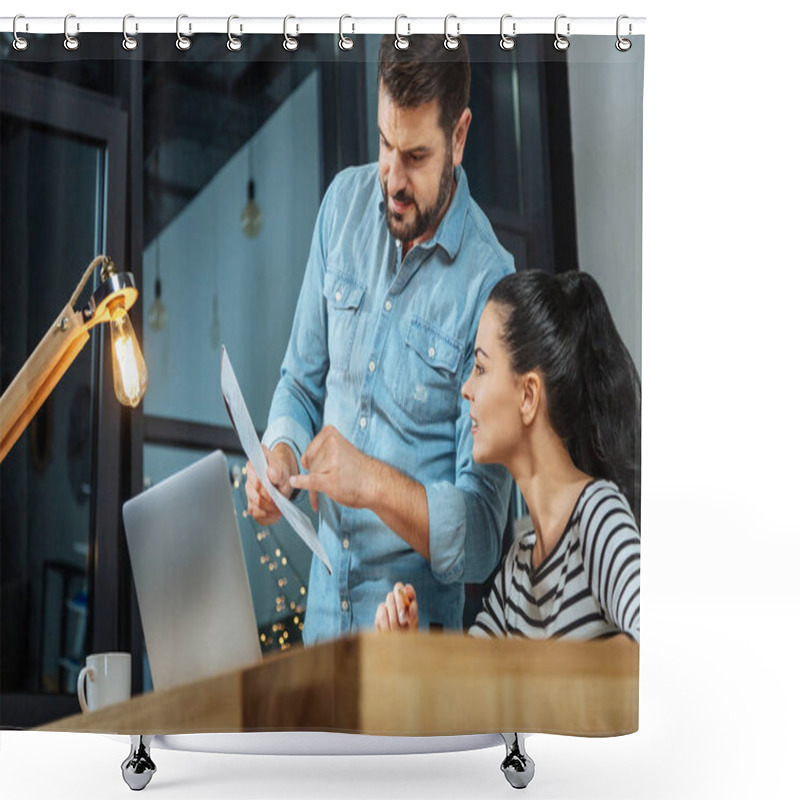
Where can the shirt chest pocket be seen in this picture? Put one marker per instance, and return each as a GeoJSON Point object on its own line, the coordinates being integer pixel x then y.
{"type": "Point", "coordinates": [344, 297]}
{"type": "Point", "coordinates": [426, 384]}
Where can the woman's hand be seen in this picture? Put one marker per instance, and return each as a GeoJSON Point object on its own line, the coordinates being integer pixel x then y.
{"type": "Point", "coordinates": [399, 612]}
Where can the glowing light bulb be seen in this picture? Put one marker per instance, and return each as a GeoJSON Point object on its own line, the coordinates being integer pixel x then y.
{"type": "Point", "coordinates": [130, 372]}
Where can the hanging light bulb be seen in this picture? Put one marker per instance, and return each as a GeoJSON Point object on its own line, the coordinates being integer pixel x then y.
{"type": "Point", "coordinates": [251, 216]}
{"type": "Point", "coordinates": [157, 315]}
{"type": "Point", "coordinates": [130, 372]}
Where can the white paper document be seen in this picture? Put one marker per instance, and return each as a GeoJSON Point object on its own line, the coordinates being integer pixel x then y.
{"type": "Point", "coordinates": [243, 425]}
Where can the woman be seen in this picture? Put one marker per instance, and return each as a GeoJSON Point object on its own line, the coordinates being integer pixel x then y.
{"type": "Point", "coordinates": [555, 397]}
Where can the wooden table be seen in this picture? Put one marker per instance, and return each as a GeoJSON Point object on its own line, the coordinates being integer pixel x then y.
{"type": "Point", "coordinates": [400, 685]}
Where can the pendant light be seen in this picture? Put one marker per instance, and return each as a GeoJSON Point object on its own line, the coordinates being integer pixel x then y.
{"type": "Point", "coordinates": [251, 214]}
{"type": "Point", "coordinates": [157, 313]}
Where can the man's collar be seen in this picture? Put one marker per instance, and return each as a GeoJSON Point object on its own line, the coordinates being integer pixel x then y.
{"type": "Point", "coordinates": [451, 228]}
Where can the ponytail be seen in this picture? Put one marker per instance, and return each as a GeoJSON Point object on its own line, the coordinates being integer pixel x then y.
{"type": "Point", "coordinates": [561, 326]}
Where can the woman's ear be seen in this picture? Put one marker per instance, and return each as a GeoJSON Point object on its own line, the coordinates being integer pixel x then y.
{"type": "Point", "coordinates": [531, 385]}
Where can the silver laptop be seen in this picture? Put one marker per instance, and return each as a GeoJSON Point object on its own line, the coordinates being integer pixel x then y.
{"type": "Point", "coordinates": [190, 576]}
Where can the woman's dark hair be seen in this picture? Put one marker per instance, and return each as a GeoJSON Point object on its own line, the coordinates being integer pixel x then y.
{"type": "Point", "coordinates": [560, 325]}
{"type": "Point", "coordinates": [427, 71]}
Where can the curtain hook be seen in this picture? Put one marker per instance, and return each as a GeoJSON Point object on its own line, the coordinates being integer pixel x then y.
{"type": "Point", "coordinates": [507, 42]}
{"type": "Point", "coordinates": [182, 42]}
{"type": "Point", "coordinates": [401, 42]}
{"type": "Point", "coordinates": [128, 42]}
{"type": "Point", "coordinates": [561, 42]}
{"type": "Point", "coordinates": [623, 45]}
{"type": "Point", "coordinates": [71, 42]}
{"type": "Point", "coordinates": [20, 42]}
{"type": "Point", "coordinates": [451, 42]}
{"type": "Point", "coordinates": [234, 44]}
{"type": "Point", "coordinates": [288, 42]}
{"type": "Point", "coordinates": [345, 42]}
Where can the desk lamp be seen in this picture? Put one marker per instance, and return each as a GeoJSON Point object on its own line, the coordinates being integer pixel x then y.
{"type": "Point", "coordinates": [65, 339]}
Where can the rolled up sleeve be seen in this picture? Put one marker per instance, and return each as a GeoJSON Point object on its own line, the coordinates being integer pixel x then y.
{"type": "Point", "coordinates": [287, 431]}
{"type": "Point", "coordinates": [467, 518]}
{"type": "Point", "coordinates": [467, 527]}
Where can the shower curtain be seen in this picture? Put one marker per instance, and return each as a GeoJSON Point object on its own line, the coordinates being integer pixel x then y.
{"type": "Point", "coordinates": [217, 177]}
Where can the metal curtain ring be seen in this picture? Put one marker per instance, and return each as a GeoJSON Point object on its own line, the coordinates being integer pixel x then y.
{"type": "Point", "coordinates": [234, 43]}
{"type": "Point", "coordinates": [182, 42]}
{"type": "Point", "coordinates": [561, 43]}
{"type": "Point", "coordinates": [451, 42]}
{"type": "Point", "coordinates": [623, 45]}
{"type": "Point", "coordinates": [70, 42]}
{"type": "Point", "coordinates": [345, 42]}
{"type": "Point", "coordinates": [128, 42]}
{"type": "Point", "coordinates": [288, 42]}
{"type": "Point", "coordinates": [401, 42]}
{"type": "Point", "coordinates": [507, 42]}
{"type": "Point", "coordinates": [20, 43]}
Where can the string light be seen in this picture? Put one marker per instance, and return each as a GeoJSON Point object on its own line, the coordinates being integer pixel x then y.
{"type": "Point", "coordinates": [287, 631]}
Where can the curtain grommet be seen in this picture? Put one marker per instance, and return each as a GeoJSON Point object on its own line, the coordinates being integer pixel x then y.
{"type": "Point", "coordinates": [401, 42]}
{"type": "Point", "coordinates": [561, 43]}
{"type": "Point", "coordinates": [289, 43]}
{"type": "Point", "coordinates": [507, 42]}
{"type": "Point", "coordinates": [128, 42]}
{"type": "Point", "coordinates": [71, 43]}
{"type": "Point", "coordinates": [451, 42]}
{"type": "Point", "coordinates": [623, 45]}
{"type": "Point", "coordinates": [345, 42]}
{"type": "Point", "coordinates": [234, 44]}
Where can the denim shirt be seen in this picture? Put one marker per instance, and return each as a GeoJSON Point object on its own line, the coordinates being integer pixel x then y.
{"type": "Point", "coordinates": [380, 347]}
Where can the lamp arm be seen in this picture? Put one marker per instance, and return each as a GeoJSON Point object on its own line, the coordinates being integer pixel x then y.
{"type": "Point", "coordinates": [86, 275]}
{"type": "Point", "coordinates": [41, 372]}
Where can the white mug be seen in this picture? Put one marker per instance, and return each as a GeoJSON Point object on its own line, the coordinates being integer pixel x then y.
{"type": "Point", "coordinates": [107, 680]}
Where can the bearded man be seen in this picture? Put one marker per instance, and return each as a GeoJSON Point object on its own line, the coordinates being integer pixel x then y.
{"type": "Point", "coordinates": [367, 415]}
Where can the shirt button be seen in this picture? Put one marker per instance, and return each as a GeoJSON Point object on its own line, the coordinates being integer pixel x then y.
{"type": "Point", "coordinates": [338, 296]}
{"type": "Point", "coordinates": [372, 366]}
{"type": "Point", "coordinates": [344, 605]}
{"type": "Point", "coordinates": [388, 305]}
{"type": "Point", "coordinates": [431, 352]}
{"type": "Point", "coordinates": [363, 422]}
{"type": "Point", "coordinates": [346, 544]}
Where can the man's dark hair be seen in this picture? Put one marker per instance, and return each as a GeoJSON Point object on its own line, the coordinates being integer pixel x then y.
{"type": "Point", "coordinates": [426, 71]}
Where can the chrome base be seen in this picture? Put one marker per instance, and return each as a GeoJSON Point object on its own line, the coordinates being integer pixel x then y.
{"type": "Point", "coordinates": [138, 768]}
{"type": "Point", "coordinates": [320, 743]}
{"type": "Point", "coordinates": [517, 766]}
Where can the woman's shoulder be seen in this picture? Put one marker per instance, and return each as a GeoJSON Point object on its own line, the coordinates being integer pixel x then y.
{"type": "Point", "coordinates": [603, 508]}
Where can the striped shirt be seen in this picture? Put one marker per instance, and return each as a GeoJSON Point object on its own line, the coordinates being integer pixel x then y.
{"type": "Point", "coordinates": [586, 587]}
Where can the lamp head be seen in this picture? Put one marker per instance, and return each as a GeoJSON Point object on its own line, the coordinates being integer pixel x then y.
{"type": "Point", "coordinates": [110, 303]}
{"type": "Point", "coordinates": [115, 288]}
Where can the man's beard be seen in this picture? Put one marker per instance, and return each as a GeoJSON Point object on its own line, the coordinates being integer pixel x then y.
{"type": "Point", "coordinates": [423, 220]}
